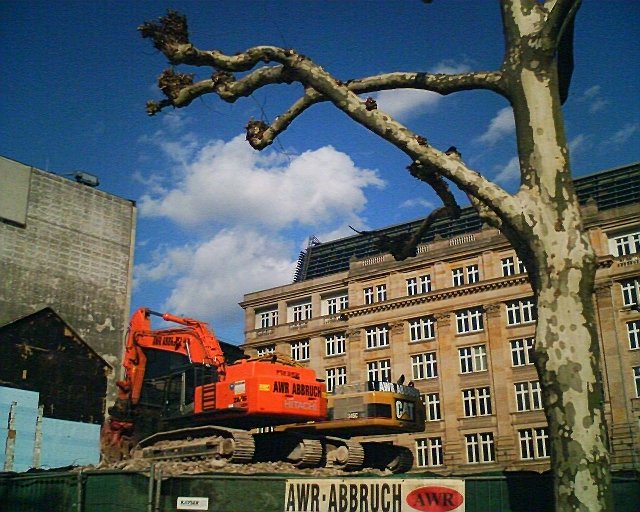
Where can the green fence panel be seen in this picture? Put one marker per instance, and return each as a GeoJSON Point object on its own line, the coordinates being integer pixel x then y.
{"type": "Point", "coordinates": [115, 491]}
{"type": "Point", "coordinates": [35, 492]}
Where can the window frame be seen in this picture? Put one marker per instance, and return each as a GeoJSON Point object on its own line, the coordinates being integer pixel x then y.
{"type": "Point", "coordinates": [470, 320]}
{"type": "Point", "coordinates": [300, 349]}
{"type": "Point", "coordinates": [377, 336]}
{"type": "Point", "coordinates": [534, 443]}
{"type": "Point", "coordinates": [335, 376]}
{"type": "Point", "coordinates": [630, 291]}
{"type": "Point", "coordinates": [422, 328]}
{"type": "Point", "coordinates": [477, 402]}
{"type": "Point", "coordinates": [431, 403]}
{"type": "Point", "coordinates": [267, 318]}
{"type": "Point", "coordinates": [424, 366]}
{"type": "Point", "coordinates": [521, 311]}
{"type": "Point", "coordinates": [379, 370]}
{"type": "Point", "coordinates": [429, 452]}
{"type": "Point", "coordinates": [476, 360]}
{"type": "Point", "coordinates": [523, 351]}
{"type": "Point", "coordinates": [480, 446]}
{"type": "Point", "coordinates": [528, 395]}
{"type": "Point", "coordinates": [335, 344]}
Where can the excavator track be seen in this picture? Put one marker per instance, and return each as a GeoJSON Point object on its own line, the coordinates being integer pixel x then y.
{"type": "Point", "coordinates": [394, 458]}
{"type": "Point", "coordinates": [243, 447]}
{"type": "Point", "coordinates": [236, 446]}
{"type": "Point", "coordinates": [344, 454]}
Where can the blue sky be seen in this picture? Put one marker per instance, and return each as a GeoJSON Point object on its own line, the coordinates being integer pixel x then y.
{"type": "Point", "coordinates": [217, 219]}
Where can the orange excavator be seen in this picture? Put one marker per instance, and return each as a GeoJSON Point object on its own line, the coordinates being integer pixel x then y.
{"type": "Point", "coordinates": [186, 395]}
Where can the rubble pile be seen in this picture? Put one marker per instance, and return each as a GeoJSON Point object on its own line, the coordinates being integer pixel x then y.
{"type": "Point", "coordinates": [211, 465]}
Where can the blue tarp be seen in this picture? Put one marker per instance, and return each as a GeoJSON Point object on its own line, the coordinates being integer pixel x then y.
{"type": "Point", "coordinates": [63, 443]}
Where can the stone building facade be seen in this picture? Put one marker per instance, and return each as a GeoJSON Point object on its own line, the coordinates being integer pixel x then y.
{"type": "Point", "coordinates": [66, 245]}
{"type": "Point", "coordinates": [459, 320]}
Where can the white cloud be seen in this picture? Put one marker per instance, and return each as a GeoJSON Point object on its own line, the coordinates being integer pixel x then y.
{"type": "Point", "coordinates": [418, 203]}
{"type": "Point", "coordinates": [407, 103]}
{"type": "Point", "coordinates": [623, 135]}
{"type": "Point", "coordinates": [501, 126]}
{"type": "Point", "coordinates": [209, 278]}
{"type": "Point", "coordinates": [229, 182]}
{"type": "Point", "coordinates": [450, 67]}
{"type": "Point", "coordinates": [577, 144]}
{"type": "Point", "coordinates": [509, 173]}
{"type": "Point", "coordinates": [595, 101]}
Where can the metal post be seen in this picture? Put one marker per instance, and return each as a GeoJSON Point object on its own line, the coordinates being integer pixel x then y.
{"type": "Point", "coordinates": [152, 478]}
{"type": "Point", "coordinates": [10, 445]}
{"type": "Point", "coordinates": [37, 441]}
{"type": "Point", "coordinates": [158, 490]}
{"type": "Point", "coordinates": [79, 493]}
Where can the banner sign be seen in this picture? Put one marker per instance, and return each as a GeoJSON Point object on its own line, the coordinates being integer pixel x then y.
{"type": "Point", "coordinates": [374, 495]}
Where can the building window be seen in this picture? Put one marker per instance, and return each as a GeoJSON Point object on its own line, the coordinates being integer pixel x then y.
{"type": "Point", "coordinates": [522, 351]}
{"type": "Point", "coordinates": [423, 328]}
{"type": "Point", "coordinates": [300, 350]}
{"type": "Point", "coordinates": [377, 336]}
{"type": "Point", "coordinates": [534, 443]}
{"type": "Point", "coordinates": [528, 396]}
{"type": "Point", "coordinates": [636, 379]}
{"type": "Point", "coordinates": [431, 402]}
{"type": "Point", "coordinates": [335, 377]}
{"type": "Point", "coordinates": [480, 447]}
{"type": "Point", "coordinates": [334, 304]}
{"type": "Point", "coordinates": [379, 370]}
{"type": "Point", "coordinates": [469, 320]}
{"type": "Point", "coordinates": [381, 292]}
{"type": "Point", "coordinates": [630, 293]}
{"type": "Point", "coordinates": [512, 266]}
{"type": "Point", "coordinates": [508, 266]}
{"type": "Point", "coordinates": [420, 284]}
{"type": "Point", "coordinates": [368, 295]}
{"type": "Point", "coordinates": [429, 452]}
{"type": "Point", "coordinates": [473, 274]}
{"type": "Point", "coordinates": [521, 312]}
{"type": "Point", "coordinates": [266, 350]}
{"type": "Point", "coordinates": [473, 359]}
{"type": "Point", "coordinates": [625, 244]}
{"type": "Point", "coordinates": [476, 401]}
{"type": "Point", "coordinates": [266, 318]}
{"type": "Point", "coordinates": [424, 366]}
{"type": "Point", "coordinates": [335, 344]}
{"type": "Point", "coordinates": [457, 276]}
{"type": "Point", "coordinates": [299, 312]}
{"type": "Point", "coordinates": [465, 275]}
{"type": "Point", "coordinates": [633, 332]}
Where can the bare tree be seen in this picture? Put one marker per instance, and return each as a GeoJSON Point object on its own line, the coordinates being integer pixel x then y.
{"type": "Point", "coordinates": [542, 220]}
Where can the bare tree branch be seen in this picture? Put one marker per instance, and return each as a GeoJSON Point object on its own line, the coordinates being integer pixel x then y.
{"type": "Point", "coordinates": [320, 85]}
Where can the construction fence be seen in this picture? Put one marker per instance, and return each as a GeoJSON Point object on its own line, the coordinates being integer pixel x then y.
{"type": "Point", "coordinates": [119, 491]}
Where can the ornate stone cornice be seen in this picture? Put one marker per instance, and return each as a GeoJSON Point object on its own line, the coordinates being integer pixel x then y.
{"type": "Point", "coordinates": [436, 296]}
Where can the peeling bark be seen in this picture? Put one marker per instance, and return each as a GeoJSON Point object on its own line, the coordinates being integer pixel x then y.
{"type": "Point", "coordinates": [542, 221]}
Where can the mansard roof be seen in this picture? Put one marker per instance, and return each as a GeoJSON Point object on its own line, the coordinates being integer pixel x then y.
{"type": "Point", "coordinates": [609, 189]}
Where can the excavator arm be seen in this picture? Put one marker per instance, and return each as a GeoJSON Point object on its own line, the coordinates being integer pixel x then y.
{"type": "Point", "coordinates": [195, 340]}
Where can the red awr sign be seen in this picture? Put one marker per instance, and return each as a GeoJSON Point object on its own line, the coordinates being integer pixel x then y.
{"type": "Point", "coordinates": [374, 495]}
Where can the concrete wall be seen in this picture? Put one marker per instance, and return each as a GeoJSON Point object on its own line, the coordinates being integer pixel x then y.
{"type": "Point", "coordinates": [74, 253]}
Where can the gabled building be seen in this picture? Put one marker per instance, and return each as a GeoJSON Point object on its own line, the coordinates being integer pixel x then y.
{"type": "Point", "coordinates": [459, 321]}
{"type": "Point", "coordinates": [41, 352]}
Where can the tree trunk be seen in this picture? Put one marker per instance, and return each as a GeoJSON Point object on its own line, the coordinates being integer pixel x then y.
{"type": "Point", "coordinates": [549, 238]}
{"type": "Point", "coordinates": [567, 355]}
